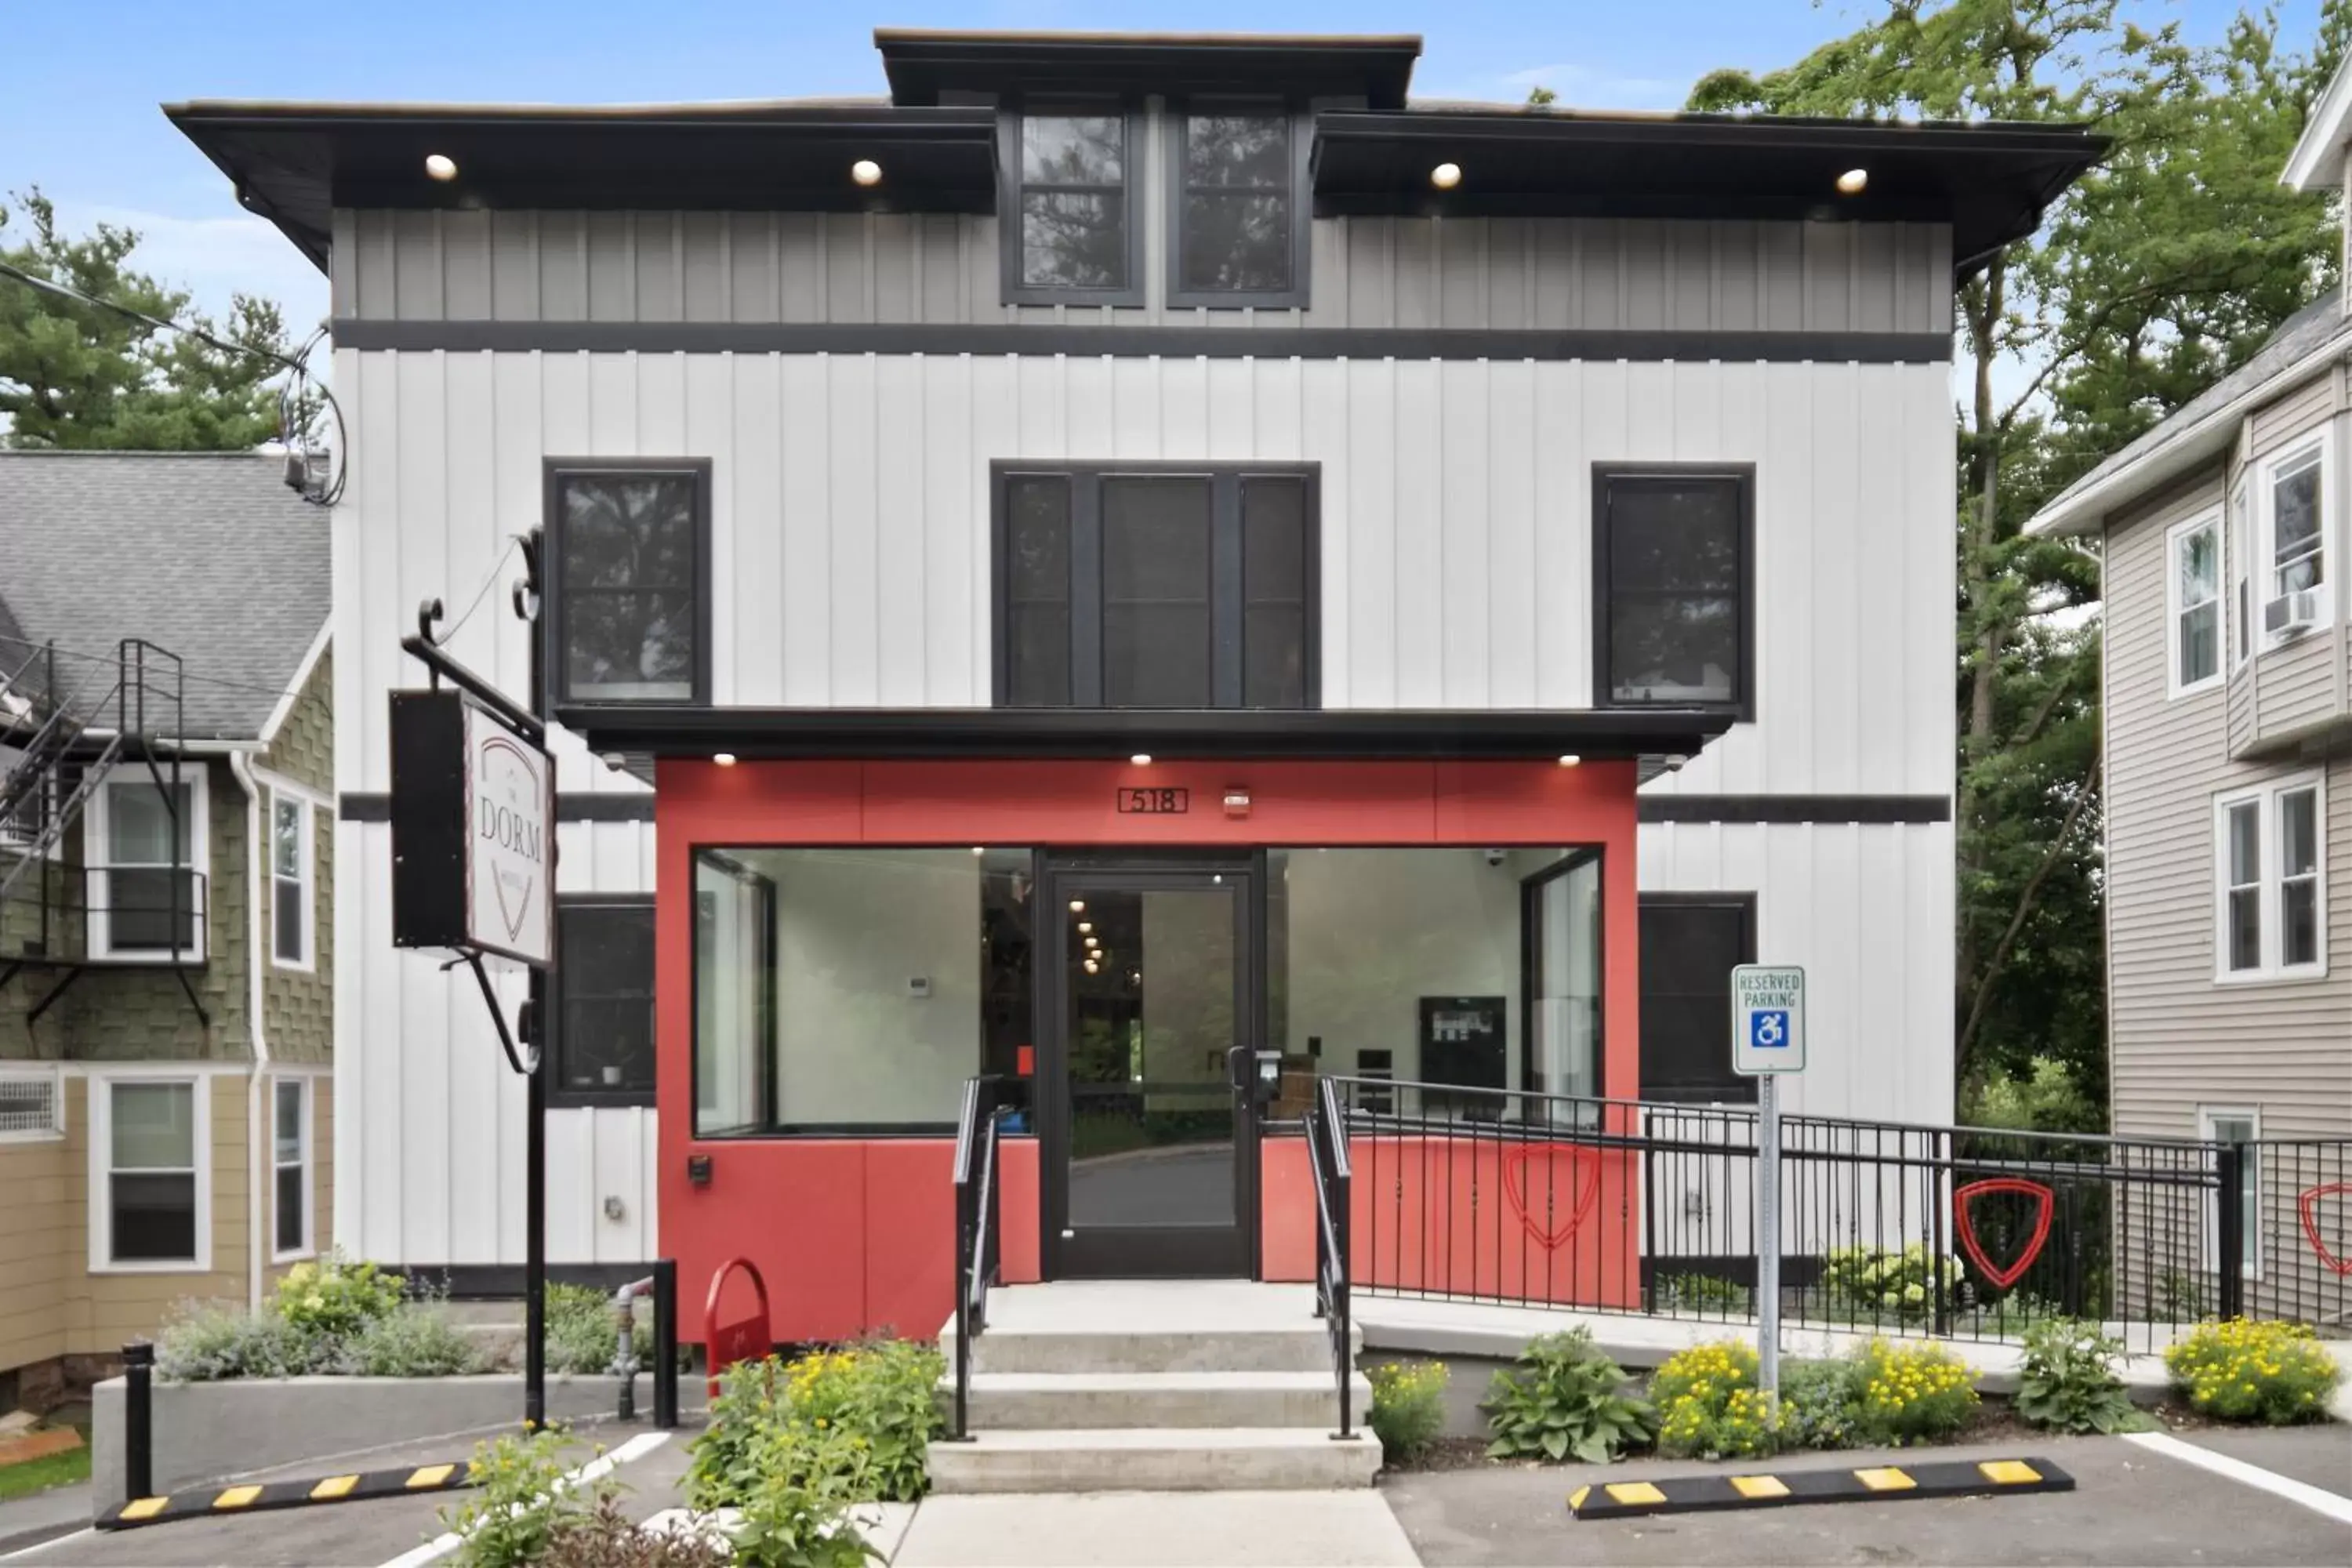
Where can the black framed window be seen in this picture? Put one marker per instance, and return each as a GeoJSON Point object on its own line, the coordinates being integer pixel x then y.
{"type": "Point", "coordinates": [630, 571]}
{"type": "Point", "coordinates": [1067, 211]}
{"type": "Point", "coordinates": [1237, 229]}
{"type": "Point", "coordinates": [1690, 942]}
{"type": "Point", "coordinates": [1674, 588]}
{"type": "Point", "coordinates": [601, 995]}
{"type": "Point", "coordinates": [1155, 586]}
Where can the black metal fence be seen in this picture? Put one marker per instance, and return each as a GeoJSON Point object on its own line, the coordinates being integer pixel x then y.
{"type": "Point", "coordinates": [1636, 1206]}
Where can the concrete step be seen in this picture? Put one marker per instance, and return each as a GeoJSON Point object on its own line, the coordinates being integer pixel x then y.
{"type": "Point", "coordinates": [1032, 1402]}
{"type": "Point", "coordinates": [1301, 1346]}
{"type": "Point", "coordinates": [1208, 1458]}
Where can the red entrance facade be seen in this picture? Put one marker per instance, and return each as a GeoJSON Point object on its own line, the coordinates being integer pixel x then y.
{"type": "Point", "coordinates": [856, 1234]}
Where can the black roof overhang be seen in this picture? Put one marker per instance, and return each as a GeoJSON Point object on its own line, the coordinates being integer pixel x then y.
{"type": "Point", "coordinates": [1989, 182]}
{"type": "Point", "coordinates": [295, 163]}
{"type": "Point", "coordinates": [1356, 735]}
{"type": "Point", "coordinates": [924, 65]}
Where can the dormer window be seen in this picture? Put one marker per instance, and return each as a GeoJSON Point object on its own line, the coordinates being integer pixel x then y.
{"type": "Point", "coordinates": [1239, 230]}
{"type": "Point", "coordinates": [1071, 233]}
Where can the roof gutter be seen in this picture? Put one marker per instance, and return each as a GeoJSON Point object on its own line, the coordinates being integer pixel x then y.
{"type": "Point", "coordinates": [2211, 433]}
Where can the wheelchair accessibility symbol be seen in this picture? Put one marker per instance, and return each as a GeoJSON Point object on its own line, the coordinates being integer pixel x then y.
{"type": "Point", "coordinates": [1767, 1029]}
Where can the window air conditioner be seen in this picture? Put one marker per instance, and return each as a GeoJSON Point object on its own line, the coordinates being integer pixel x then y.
{"type": "Point", "coordinates": [2291, 614]}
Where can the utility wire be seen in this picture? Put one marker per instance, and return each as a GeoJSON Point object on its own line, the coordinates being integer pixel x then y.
{"type": "Point", "coordinates": [303, 383]}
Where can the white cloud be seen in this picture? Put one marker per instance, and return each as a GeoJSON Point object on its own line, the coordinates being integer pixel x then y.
{"type": "Point", "coordinates": [213, 258]}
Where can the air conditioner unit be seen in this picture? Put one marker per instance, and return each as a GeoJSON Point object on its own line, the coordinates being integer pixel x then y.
{"type": "Point", "coordinates": [2290, 615]}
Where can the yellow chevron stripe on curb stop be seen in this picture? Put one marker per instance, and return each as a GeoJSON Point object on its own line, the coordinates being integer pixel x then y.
{"type": "Point", "coordinates": [255, 1497]}
{"type": "Point", "coordinates": [1878, 1483]}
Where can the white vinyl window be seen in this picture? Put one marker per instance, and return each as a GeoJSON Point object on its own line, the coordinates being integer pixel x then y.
{"type": "Point", "coordinates": [150, 1183]}
{"type": "Point", "coordinates": [290, 1166]}
{"type": "Point", "coordinates": [2291, 563]}
{"type": "Point", "coordinates": [145, 865]}
{"type": "Point", "coordinates": [2269, 882]}
{"type": "Point", "coordinates": [2236, 1124]}
{"type": "Point", "coordinates": [2193, 558]}
{"type": "Point", "coordinates": [2242, 558]}
{"type": "Point", "coordinates": [291, 915]}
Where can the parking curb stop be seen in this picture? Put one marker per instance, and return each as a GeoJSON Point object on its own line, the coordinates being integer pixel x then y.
{"type": "Point", "coordinates": [1878, 1483]}
{"type": "Point", "coordinates": [216, 1501]}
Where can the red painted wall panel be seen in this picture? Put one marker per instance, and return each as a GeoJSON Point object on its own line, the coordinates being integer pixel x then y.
{"type": "Point", "coordinates": [852, 1235]}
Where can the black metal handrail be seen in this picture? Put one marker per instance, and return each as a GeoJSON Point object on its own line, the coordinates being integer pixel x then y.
{"type": "Point", "coordinates": [1326, 1145]}
{"type": "Point", "coordinates": [978, 1127]}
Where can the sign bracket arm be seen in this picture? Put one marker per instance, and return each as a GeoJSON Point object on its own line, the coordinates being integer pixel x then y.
{"type": "Point", "coordinates": [522, 1064]}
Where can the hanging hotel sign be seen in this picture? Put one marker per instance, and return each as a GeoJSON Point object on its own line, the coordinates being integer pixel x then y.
{"type": "Point", "coordinates": [473, 831]}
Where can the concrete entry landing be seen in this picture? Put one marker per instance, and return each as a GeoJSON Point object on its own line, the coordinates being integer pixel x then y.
{"type": "Point", "coordinates": [1164, 1385]}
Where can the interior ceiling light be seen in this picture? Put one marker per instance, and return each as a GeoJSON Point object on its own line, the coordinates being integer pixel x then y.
{"type": "Point", "coordinates": [440, 165]}
{"type": "Point", "coordinates": [724, 759]}
{"type": "Point", "coordinates": [1092, 968]}
{"type": "Point", "coordinates": [1086, 926]}
{"type": "Point", "coordinates": [1446, 177]}
{"type": "Point", "coordinates": [866, 172]}
{"type": "Point", "coordinates": [1853, 181]}
{"type": "Point", "coordinates": [1077, 906]}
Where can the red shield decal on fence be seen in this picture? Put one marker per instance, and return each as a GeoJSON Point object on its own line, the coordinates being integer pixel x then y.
{"type": "Point", "coordinates": [2307, 1209]}
{"type": "Point", "coordinates": [2045, 1202]}
{"type": "Point", "coordinates": [1551, 1215]}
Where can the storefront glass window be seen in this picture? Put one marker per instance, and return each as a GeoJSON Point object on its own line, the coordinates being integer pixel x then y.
{"type": "Point", "coordinates": [853, 990]}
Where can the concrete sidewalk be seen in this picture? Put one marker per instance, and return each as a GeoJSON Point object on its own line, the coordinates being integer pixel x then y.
{"type": "Point", "coordinates": [1350, 1528]}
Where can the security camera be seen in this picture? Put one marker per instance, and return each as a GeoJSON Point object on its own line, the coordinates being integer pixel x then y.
{"type": "Point", "coordinates": [1497, 857]}
{"type": "Point", "coordinates": [616, 761]}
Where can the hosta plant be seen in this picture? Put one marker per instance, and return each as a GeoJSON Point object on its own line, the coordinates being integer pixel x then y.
{"type": "Point", "coordinates": [1565, 1399]}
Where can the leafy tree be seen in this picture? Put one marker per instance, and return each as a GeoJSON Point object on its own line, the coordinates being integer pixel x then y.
{"type": "Point", "coordinates": [2160, 271]}
{"type": "Point", "coordinates": [80, 375]}
{"type": "Point", "coordinates": [1542, 96]}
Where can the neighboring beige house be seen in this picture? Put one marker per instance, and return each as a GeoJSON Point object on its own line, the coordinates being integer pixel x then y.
{"type": "Point", "coordinates": [166, 871]}
{"type": "Point", "coordinates": [2228, 706]}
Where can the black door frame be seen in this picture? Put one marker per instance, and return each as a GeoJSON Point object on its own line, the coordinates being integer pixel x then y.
{"type": "Point", "coordinates": [1141, 1251]}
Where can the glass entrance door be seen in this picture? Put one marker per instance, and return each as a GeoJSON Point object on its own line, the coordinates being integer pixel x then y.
{"type": "Point", "coordinates": [1149, 1142]}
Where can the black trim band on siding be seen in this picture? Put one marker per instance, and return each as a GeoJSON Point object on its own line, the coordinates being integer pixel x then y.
{"type": "Point", "coordinates": [1869, 809]}
{"type": "Point", "coordinates": [1137, 342]}
{"type": "Point", "coordinates": [372, 805]}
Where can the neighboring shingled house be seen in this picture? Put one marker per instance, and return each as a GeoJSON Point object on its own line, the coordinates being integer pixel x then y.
{"type": "Point", "coordinates": [166, 860]}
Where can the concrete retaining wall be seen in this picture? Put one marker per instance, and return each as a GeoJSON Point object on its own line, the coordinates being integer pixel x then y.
{"type": "Point", "coordinates": [205, 1432]}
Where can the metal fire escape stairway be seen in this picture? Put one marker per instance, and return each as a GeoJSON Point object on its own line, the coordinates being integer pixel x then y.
{"type": "Point", "coordinates": [58, 755]}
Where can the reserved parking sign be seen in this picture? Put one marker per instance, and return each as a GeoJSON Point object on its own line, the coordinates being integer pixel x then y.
{"type": "Point", "coordinates": [1768, 1018]}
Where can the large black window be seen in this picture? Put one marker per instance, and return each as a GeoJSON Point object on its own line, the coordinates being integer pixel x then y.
{"type": "Point", "coordinates": [603, 1001]}
{"type": "Point", "coordinates": [1238, 231]}
{"type": "Point", "coordinates": [1672, 574]}
{"type": "Point", "coordinates": [1690, 942]}
{"type": "Point", "coordinates": [631, 576]}
{"type": "Point", "coordinates": [1155, 587]}
{"type": "Point", "coordinates": [1069, 221]}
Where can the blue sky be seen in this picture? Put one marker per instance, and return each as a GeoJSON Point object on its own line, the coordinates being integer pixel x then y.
{"type": "Point", "coordinates": [79, 115]}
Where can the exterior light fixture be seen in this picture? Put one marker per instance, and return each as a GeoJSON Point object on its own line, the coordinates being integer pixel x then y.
{"type": "Point", "coordinates": [980, 849]}
{"type": "Point", "coordinates": [1446, 177]}
{"type": "Point", "coordinates": [866, 172]}
{"type": "Point", "coordinates": [1570, 760]}
{"type": "Point", "coordinates": [440, 166]}
{"type": "Point", "coordinates": [724, 759]}
{"type": "Point", "coordinates": [1141, 759]}
{"type": "Point", "coordinates": [1853, 181]}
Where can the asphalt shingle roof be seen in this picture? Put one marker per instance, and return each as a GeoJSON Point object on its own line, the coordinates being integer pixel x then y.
{"type": "Point", "coordinates": [207, 556]}
{"type": "Point", "coordinates": [2306, 333]}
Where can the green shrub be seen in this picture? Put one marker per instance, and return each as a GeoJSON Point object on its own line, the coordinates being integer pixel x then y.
{"type": "Point", "coordinates": [1912, 1393]}
{"type": "Point", "coordinates": [796, 1514]}
{"type": "Point", "coordinates": [1408, 1407]}
{"type": "Point", "coordinates": [722, 1470]}
{"type": "Point", "coordinates": [2243, 1371]}
{"type": "Point", "coordinates": [1702, 1294]}
{"type": "Point", "coordinates": [1820, 1405]}
{"type": "Point", "coordinates": [883, 1392]}
{"type": "Point", "coordinates": [518, 1509]}
{"type": "Point", "coordinates": [2068, 1382]}
{"type": "Point", "coordinates": [1565, 1397]}
{"type": "Point", "coordinates": [1881, 1282]}
{"type": "Point", "coordinates": [207, 1341]}
{"type": "Point", "coordinates": [335, 1297]}
{"type": "Point", "coordinates": [580, 1335]}
{"type": "Point", "coordinates": [417, 1340]}
{"type": "Point", "coordinates": [1709, 1404]}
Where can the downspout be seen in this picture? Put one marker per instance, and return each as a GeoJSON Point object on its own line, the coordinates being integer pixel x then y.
{"type": "Point", "coordinates": [257, 1182]}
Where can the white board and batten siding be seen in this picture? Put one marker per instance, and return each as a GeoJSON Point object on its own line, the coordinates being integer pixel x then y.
{"type": "Point", "coordinates": [851, 520]}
